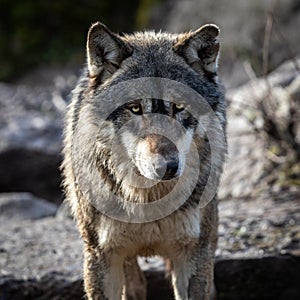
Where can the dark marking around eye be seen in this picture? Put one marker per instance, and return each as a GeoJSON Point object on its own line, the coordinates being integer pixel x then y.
{"type": "Point", "coordinates": [190, 122]}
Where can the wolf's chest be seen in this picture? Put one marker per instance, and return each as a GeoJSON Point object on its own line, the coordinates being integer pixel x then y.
{"type": "Point", "coordinates": [176, 230]}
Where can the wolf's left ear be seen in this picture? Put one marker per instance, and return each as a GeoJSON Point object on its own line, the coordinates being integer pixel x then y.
{"type": "Point", "coordinates": [105, 51]}
{"type": "Point", "coordinates": [200, 48]}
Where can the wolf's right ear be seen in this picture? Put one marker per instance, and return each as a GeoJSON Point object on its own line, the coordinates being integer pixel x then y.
{"type": "Point", "coordinates": [105, 51]}
{"type": "Point", "coordinates": [200, 48]}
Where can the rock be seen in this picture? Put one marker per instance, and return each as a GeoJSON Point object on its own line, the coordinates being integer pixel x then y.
{"type": "Point", "coordinates": [249, 153]}
{"type": "Point", "coordinates": [264, 278]}
{"type": "Point", "coordinates": [31, 138]}
{"type": "Point", "coordinates": [24, 206]}
{"type": "Point", "coordinates": [52, 286]}
{"type": "Point", "coordinates": [241, 41]}
{"type": "Point", "coordinates": [64, 211]}
{"type": "Point", "coordinates": [29, 170]}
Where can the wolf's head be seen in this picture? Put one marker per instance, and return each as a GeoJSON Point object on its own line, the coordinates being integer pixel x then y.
{"type": "Point", "coordinates": [155, 135]}
{"type": "Point", "coordinates": [149, 131]}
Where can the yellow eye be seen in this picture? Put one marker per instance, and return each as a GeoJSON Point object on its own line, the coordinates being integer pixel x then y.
{"type": "Point", "coordinates": [136, 109]}
{"type": "Point", "coordinates": [179, 107]}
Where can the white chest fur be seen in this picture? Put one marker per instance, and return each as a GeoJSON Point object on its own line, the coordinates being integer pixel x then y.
{"type": "Point", "coordinates": [177, 230]}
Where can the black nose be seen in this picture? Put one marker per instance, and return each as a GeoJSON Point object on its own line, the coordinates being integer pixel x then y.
{"type": "Point", "coordinates": [168, 170]}
{"type": "Point", "coordinates": [172, 167]}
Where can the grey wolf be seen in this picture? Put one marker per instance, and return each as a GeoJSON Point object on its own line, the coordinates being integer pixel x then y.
{"type": "Point", "coordinates": [105, 156]}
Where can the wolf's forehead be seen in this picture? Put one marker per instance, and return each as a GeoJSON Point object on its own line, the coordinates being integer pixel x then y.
{"type": "Point", "coordinates": [149, 38]}
{"type": "Point", "coordinates": [156, 106]}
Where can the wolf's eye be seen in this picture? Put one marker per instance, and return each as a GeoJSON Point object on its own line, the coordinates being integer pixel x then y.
{"type": "Point", "coordinates": [136, 109]}
{"type": "Point", "coordinates": [178, 107]}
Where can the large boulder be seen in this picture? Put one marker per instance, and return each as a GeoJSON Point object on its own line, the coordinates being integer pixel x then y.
{"type": "Point", "coordinates": [249, 169]}
{"type": "Point", "coordinates": [31, 120]}
{"type": "Point", "coordinates": [23, 206]}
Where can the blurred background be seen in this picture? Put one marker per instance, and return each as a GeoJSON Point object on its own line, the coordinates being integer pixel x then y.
{"type": "Point", "coordinates": [36, 34]}
{"type": "Point", "coordinates": [42, 50]}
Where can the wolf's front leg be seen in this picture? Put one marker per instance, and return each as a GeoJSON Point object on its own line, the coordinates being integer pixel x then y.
{"type": "Point", "coordinates": [192, 275]}
{"type": "Point", "coordinates": [103, 275]}
{"type": "Point", "coordinates": [201, 280]}
{"type": "Point", "coordinates": [181, 272]}
{"type": "Point", "coordinates": [135, 287]}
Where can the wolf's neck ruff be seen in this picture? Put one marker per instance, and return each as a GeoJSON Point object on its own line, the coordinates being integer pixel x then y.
{"type": "Point", "coordinates": [111, 147]}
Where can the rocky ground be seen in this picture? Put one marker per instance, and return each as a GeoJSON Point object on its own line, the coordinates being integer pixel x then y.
{"type": "Point", "coordinates": [258, 255]}
{"type": "Point", "coordinates": [41, 253]}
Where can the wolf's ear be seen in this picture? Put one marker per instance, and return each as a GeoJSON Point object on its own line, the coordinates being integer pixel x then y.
{"type": "Point", "coordinates": [200, 48]}
{"type": "Point", "coordinates": [105, 51]}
